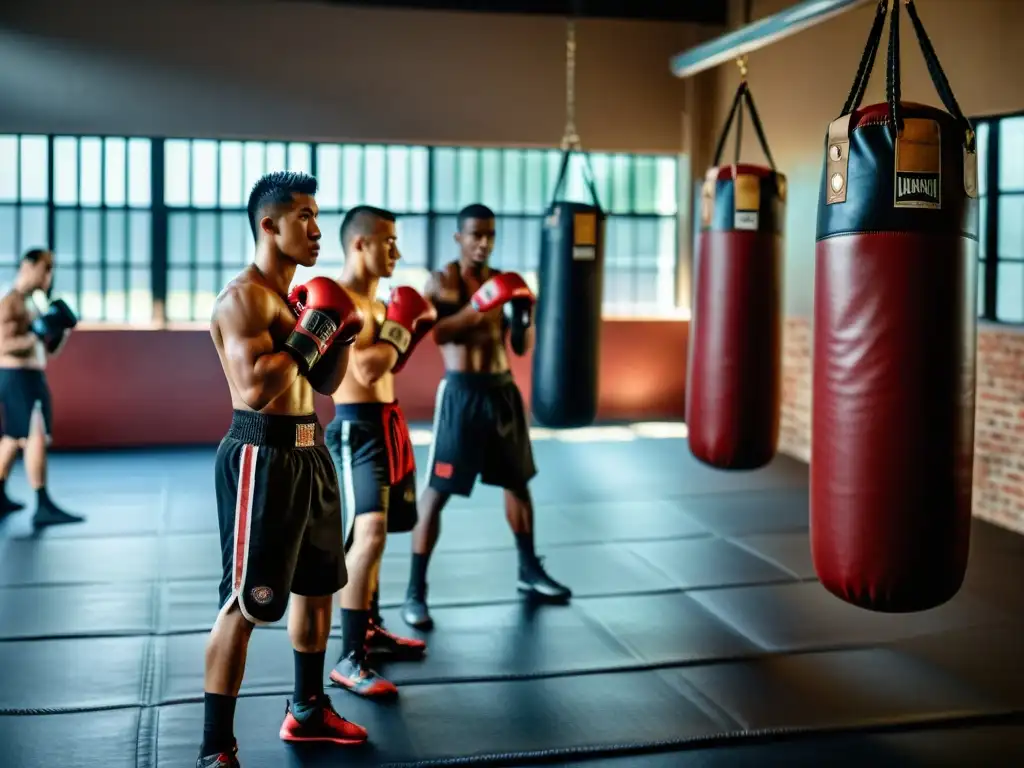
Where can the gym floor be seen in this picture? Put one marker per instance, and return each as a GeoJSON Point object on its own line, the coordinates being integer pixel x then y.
{"type": "Point", "coordinates": [698, 634]}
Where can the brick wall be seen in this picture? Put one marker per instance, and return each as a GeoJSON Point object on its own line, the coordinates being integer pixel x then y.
{"type": "Point", "coordinates": [999, 427]}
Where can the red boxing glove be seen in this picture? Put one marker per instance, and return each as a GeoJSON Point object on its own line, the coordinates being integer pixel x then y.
{"type": "Point", "coordinates": [409, 318]}
{"type": "Point", "coordinates": [326, 315]}
{"type": "Point", "coordinates": [501, 289]}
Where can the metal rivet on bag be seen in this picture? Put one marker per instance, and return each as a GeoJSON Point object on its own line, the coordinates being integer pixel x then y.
{"type": "Point", "coordinates": [835, 152]}
{"type": "Point", "coordinates": [837, 182]}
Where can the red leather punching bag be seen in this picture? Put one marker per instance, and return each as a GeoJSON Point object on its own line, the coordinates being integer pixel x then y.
{"type": "Point", "coordinates": [734, 371]}
{"type": "Point", "coordinates": [892, 428]}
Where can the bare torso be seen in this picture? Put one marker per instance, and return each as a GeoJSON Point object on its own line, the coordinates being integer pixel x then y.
{"type": "Point", "coordinates": [483, 349]}
{"type": "Point", "coordinates": [249, 312]}
{"type": "Point", "coordinates": [21, 348]}
{"type": "Point", "coordinates": [352, 389]}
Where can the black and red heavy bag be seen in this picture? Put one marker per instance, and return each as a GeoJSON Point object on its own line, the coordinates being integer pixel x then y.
{"type": "Point", "coordinates": [892, 426]}
{"type": "Point", "coordinates": [567, 351]}
{"type": "Point", "coordinates": [734, 380]}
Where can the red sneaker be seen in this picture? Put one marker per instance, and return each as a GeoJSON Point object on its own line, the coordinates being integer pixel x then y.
{"type": "Point", "coordinates": [317, 720]}
{"type": "Point", "coordinates": [381, 642]}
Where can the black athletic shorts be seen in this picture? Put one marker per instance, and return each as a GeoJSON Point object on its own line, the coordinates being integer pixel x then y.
{"type": "Point", "coordinates": [480, 428]}
{"type": "Point", "coordinates": [280, 514]}
{"type": "Point", "coordinates": [374, 458]}
{"type": "Point", "coordinates": [22, 392]}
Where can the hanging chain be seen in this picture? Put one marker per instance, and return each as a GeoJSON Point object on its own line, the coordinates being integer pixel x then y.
{"type": "Point", "coordinates": [570, 139]}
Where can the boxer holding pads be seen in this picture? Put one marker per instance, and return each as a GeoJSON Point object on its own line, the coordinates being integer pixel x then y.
{"type": "Point", "coordinates": [480, 423]}
{"type": "Point", "coordinates": [28, 338]}
{"type": "Point", "coordinates": [277, 492]}
{"type": "Point", "coordinates": [369, 441]}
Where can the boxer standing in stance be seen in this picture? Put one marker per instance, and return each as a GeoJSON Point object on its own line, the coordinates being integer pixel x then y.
{"type": "Point", "coordinates": [480, 425]}
{"type": "Point", "coordinates": [27, 339]}
{"type": "Point", "coordinates": [277, 491]}
{"type": "Point", "coordinates": [369, 440]}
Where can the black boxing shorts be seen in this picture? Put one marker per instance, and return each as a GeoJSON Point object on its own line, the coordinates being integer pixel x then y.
{"type": "Point", "coordinates": [480, 428]}
{"type": "Point", "coordinates": [280, 514]}
{"type": "Point", "coordinates": [376, 467]}
{"type": "Point", "coordinates": [24, 391]}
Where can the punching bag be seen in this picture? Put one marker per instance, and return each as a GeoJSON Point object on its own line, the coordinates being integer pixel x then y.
{"type": "Point", "coordinates": [892, 425]}
{"type": "Point", "coordinates": [734, 379]}
{"type": "Point", "coordinates": [568, 313]}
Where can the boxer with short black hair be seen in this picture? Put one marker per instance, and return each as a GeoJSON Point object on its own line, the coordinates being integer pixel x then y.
{"type": "Point", "coordinates": [28, 338]}
{"type": "Point", "coordinates": [480, 423]}
{"type": "Point", "coordinates": [277, 491]}
{"type": "Point", "coordinates": [369, 440]}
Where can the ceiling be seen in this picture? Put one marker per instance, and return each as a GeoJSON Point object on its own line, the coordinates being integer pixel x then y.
{"type": "Point", "coordinates": [693, 11]}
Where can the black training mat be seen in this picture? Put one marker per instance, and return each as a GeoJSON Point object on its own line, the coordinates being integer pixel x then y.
{"type": "Point", "coordinates": [832, 689]}
{"type": "Point", "coordinates": [77, 672]}
{"type": "Point", "coordinates": [444, 721]}
{"type": "Point", "coordinates": [733, 513]}
{"type": "Point", "coordinates": [791, 551]}
{"type": "Point", "coordinates": [697, 634]}
{"type": "Point", "coordinates": [78, 610]}
{"type": "Point", "coordinates": [707, 562]}
{"type": "Point", "coordinates": [86, 560]}
{"type": "Point", "coordinates": [803, 616]}
{"type": "Point", "coordinates": [107, 739]}
{"type": "Point", "coordinates": [461, 578]}
{"type": "Point", "coordinates": [667, 628]}
{"type": "Point", "coordinates": [995, 745]}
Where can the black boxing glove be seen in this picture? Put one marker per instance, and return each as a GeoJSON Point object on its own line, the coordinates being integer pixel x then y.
{"type": "Point", "coordinates": [326, 316]}
{"type": "Point", "coordinates": [53, 326]}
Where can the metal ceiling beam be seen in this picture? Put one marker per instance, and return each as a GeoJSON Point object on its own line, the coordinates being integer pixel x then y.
{"type": "Point", "coordinates": [758, 35]}
{"type": "Point", "coordinates": [712, 12]}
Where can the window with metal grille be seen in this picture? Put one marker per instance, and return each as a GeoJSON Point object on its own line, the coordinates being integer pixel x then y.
{"type": "Point", "coordinates": [152, 229]}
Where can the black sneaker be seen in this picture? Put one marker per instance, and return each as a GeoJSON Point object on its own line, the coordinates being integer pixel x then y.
{"type": "Point", "coordinates": [415, 612]}
{"type": "Point", "coordinates": [534, 581]}
{"type": "Point", "coordinates": [51, 514]}
{"type": "Point", "coordinates": [219, 760]}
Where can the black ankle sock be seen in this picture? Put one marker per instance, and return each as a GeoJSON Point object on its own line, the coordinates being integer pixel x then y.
{"type": "Point", "coordinates": [375, 606]}
{"type": "Point", "coordinates": [218, 724]}
{"type": "Point", "coordinates": [418, 575]}
{"type": "Point", "coordinates": [309, 675]}
{"type": "Point", "coordinates": [353, 631]}
{"type": "Point", "coordinates": [41, 496]}
{"type": "Point", "coordinates": [524, 543]}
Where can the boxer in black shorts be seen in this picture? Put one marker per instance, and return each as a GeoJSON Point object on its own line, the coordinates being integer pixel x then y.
{"type": "Point", "coordinates": [370, 442]}
{"type": "Point", "coordinates": [480, 424]}
{"type": "Point", "coordinates": [28, 339]}
{"type": "Point", "coordinates": [277, 492]}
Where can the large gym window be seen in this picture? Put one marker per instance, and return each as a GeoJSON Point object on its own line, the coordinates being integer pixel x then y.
{"type": "Point", "coordinates": [89, 199]}
{"type": "Point", "coordinates": [148, 230]}
{"type": "Point", "coordinates": [1001, 214]}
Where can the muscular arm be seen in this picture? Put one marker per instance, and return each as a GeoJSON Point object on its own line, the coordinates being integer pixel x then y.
{"type": "Point", "coordinates": [327, 374]}
{"type": "Point", "coordinates": [456, 326]}
{"type": "Point", "coordinates": [11, 343]}
{"type": "Point", "coordinates": [260, 374]}
{"type": "Point", "coordinates": [371, 360]}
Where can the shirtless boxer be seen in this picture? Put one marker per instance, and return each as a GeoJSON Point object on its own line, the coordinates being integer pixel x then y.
{"type": "Point", "coordinates": [28, 338]}
{"type": "Point", "coordinates": [277, 491]}
{"type": "Point", "coordinates": [369, 440]}
{"type": "Point", "coordinates": [480, 424]}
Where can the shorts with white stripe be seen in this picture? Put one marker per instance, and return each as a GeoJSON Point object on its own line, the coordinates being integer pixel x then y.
{"type": "Point", "coordinates": [280, 514]}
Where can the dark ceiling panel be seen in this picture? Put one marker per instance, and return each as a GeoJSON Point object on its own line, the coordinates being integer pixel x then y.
{"type": "Point", "coordinates": [693, 11]}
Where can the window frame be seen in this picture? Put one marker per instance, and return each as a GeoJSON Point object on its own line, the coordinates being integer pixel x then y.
{"type": "Point", "coordinates": [990, 259]}
{"type": "Point", "coordinates": [161, 212]}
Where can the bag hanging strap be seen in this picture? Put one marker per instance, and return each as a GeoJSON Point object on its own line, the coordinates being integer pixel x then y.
{"type": "Point", "coordinates": [571, 139]}
{"type": "Point", "coordinates": [743, 96]}
{"type": "Point", "coordinates": [893, 90]}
